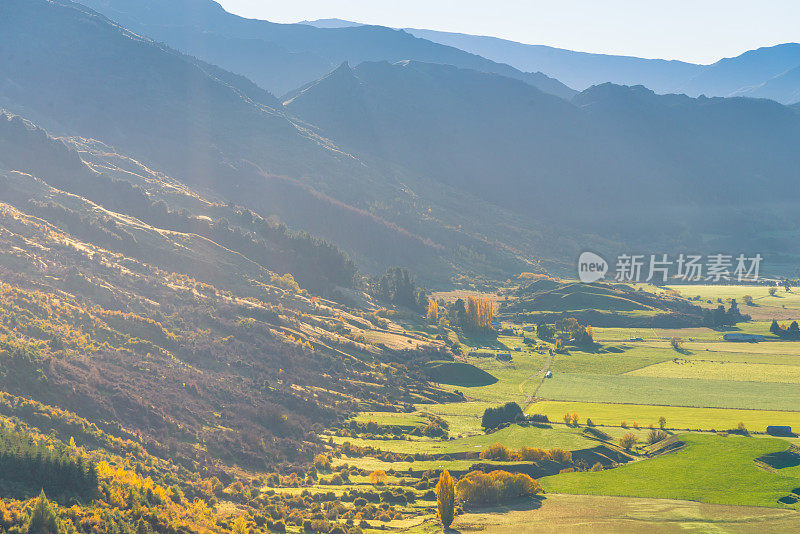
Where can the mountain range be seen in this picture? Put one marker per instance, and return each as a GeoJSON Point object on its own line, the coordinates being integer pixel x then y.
{"type": "Point", "coordinates": [217, 131]}
{"type": "Point", "coordinates": [281, 57]}
{"type": "Point", "coordinates": [392, 160]}
{"type": "Point", "coordinates": [611, 155]}
{"type": "Point", "coordinates": [769, 72]}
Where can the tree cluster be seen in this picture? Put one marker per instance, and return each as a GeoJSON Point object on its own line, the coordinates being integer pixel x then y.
{"type": "Point", "coordinates": [719, 317]}
{"type": "Point", "coordinates": [400, 287]}
{"type": "Point", "coordinates": [792, 332]}
{"type": "Point", "coordinates": [477, 488]}
{"type": "Point", "coordinates": [500, 453]}
{"type": "Point", "coordinates": [502, 415]}
{"type": "Point", "coordinates": [27, 467]}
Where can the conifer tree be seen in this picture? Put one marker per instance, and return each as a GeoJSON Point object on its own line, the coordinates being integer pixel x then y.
{"type": "Point", "coordinates": [43, 518]}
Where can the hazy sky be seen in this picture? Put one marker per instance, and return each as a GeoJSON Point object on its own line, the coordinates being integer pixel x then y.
{"type": "Point", "coordinates": [700, 31]}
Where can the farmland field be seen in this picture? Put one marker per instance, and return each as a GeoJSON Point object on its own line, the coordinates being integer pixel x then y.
{"type": "Point", "coordinates": [705, 389]}
{"type": "Point", "coordinates": [677, 417]}
{"type": "Point", "coordinates": [716, 370]}
{"type": "Point", "coordinates": [783, 306]}
{"type": "Point", "coordinates": [694, 333]}
{"type": "Point", "coordinates": [692, 392]}
{"type": "Point", "coordinates": [760, 294]}
{"type": "Point", "coordinates": [513, 436]}
{"type": "Point", "coordinates": [579, 514]}
{"type": "Point", "coordinates": [390, 418]}
{"type": "Point", "coordinates": [711, 469]}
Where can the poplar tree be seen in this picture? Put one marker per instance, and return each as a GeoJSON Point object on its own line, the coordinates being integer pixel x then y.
{"type": "Point", "coordinates": [446, 499]}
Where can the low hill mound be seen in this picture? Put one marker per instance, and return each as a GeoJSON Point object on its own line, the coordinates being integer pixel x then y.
{"type": "Point", "coordinates": [602, 304]}
{"type": "Point", "coordinates": [458, 374]}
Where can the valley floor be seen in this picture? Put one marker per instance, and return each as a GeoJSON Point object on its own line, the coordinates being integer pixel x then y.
{"type": "Point", "coordinates": [590, 514]}
{"type": "Point", "coordinates": [705, 392]}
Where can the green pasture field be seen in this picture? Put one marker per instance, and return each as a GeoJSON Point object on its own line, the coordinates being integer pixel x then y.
{"type": "Point", "coordinates": [512, 377]}
{"type": "Point", "coordinates": [521, 376]}
{"type": "Point", "coordinates": [677, 417]}
{"type": "Point", "coordinates": [513, 436]}
{"type": "Point", "coordinates": [373, 464]}
{"type": "Point", "coordinates": [700, 333]}
{"type": "Point", "coordinates": [711, 468]}
{"type": "Point", "coordinates": [464, 418]}
{"type": "Point", "coordinates": [612, 335]}
{"type": "Point", "coordinates": [759, 293]}
{"type": "Point", "coordinates": [690, 392]}
{"type": "Point", "coordinates": [786, 348]}
{"type": "Point", "coordinates": [391, 418]}
{"type": "Point", "coordinates": [638, 375]}
{"type": "Point", "coordinates": [774, 352]}
{"type": "Point", "coordinates": [581, 514]}
{"type": "Point", "coordinates": [783, 306]}
{"type": "Point", "coordinates": [716, 370]}
{"type": "Point", "coordinates": [610, 363]}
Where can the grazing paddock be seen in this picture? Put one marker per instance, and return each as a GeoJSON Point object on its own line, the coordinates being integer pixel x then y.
{"type": "Point", "coordinates": [510, 375]}
{"type": "Point", "coordinates": [582, 514]}
{"type": "Point", "coordinates": [691, 392]}
{"type": "Point", "coordinates": [611, 363]}
{"type": "Point", "coordinates": [650, 334]}
{"type": "Point", "coordinates": [464, 418]}
{"type": "Point", "coordinates": [391, 418]}
{"type": "Point", "coordinates": [784, 348]}
{"type": "Point", "coordinates": [513, 436]}
{"type": "Point", "coordinates": [711, 469]}
{"type": "Point", "coordinates": [759, 293]}
{"type": "Point", "coordinates": [717, 370]}
{"type": "Point", "coordinates": [784, 305]}
{"type": "Point", "coordinates": [373, 464]}
{"type": "Point", "coordinates": [677, 417]}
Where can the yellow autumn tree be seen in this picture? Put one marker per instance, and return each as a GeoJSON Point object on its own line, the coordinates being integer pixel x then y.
{"type": "Point", "coordinates": [433, 311]}
{"type": "Point", "coordinates": [479, 314]}
{"type": "Point", "coordinates": [477, 488]}
{"type": "Point", "coordinates": [378, 477]}
{"type": "Point", "coordinates": [446, 499]}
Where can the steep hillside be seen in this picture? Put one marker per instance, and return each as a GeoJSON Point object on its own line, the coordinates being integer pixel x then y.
{"type": "Point", "coordinates": [496, 135]}
{"type": "Point", "coordinates": [155, 375]}
{"type": "Point", "coordinates": [614, 153]}
{"type": "Point", "coordinates": [784, 87]}
{"type": "Point", "coordinates": [460, 127]}
{"type": "Point", "coordinates": [281, 57]}
{"type": "Point", "coordinates": [116, 86]}
{"type": "Point", "coordinates": [217, 132]}
{"type": "Point", "coordinates": [317, 264]}
{"type": "Point", "coordinates": [180, 333]}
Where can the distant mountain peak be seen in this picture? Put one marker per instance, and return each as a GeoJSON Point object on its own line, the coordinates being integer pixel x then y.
{"type": "Point", "coordinates": [282, 57]}
{"type": "Point", "coordinates": [330, 23]}
{"type": "Point", "coordinates": [344, 66]}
